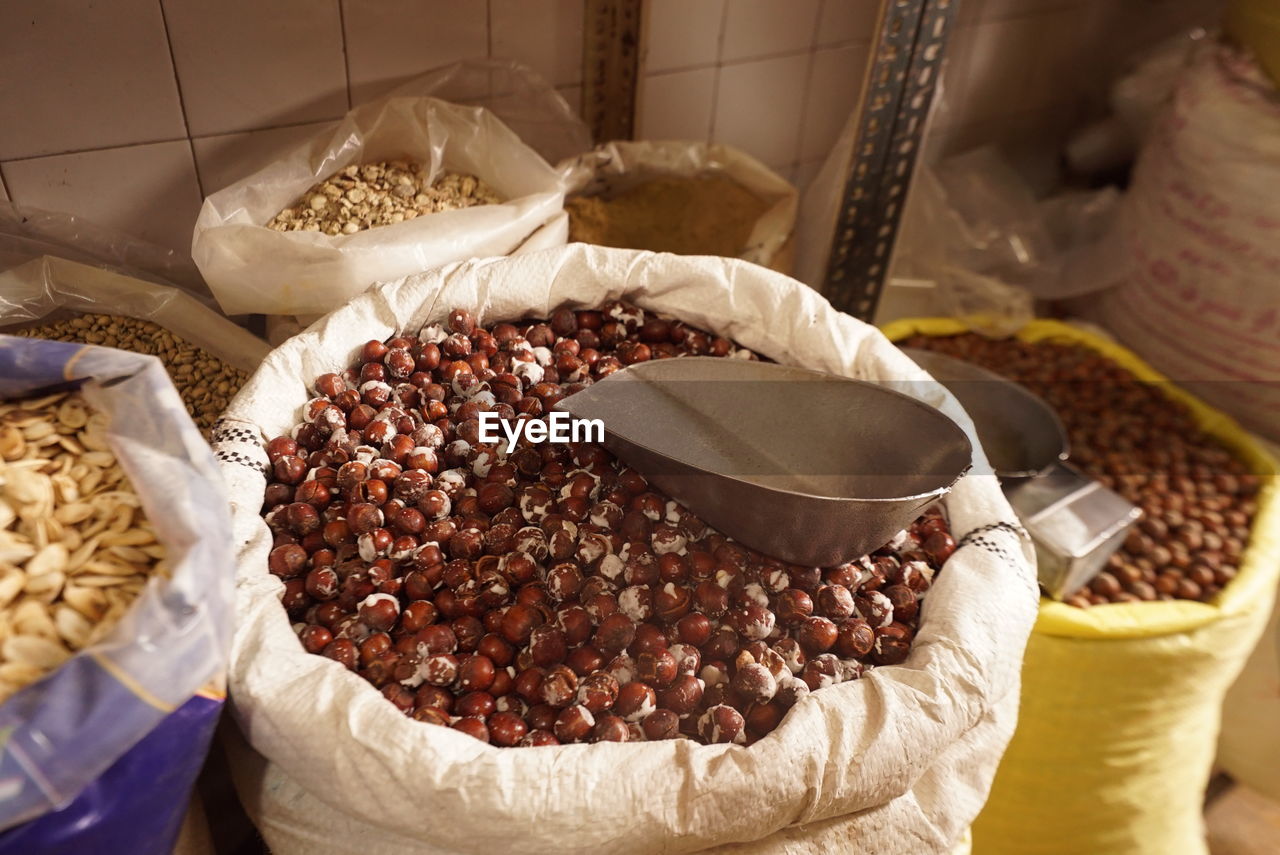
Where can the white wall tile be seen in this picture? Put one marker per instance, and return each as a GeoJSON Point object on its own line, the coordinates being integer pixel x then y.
{"type": "Point", "coordinates": [755, 28]}
{"type": "Point", "coordinates": [149, 191]}
{"type": "Point", "coordinates": [77, 75]}
{"type": "Point", "coordinates": [758, 108]}
{"type": "Point", "coordinates": [681, 34]}
{"type": "Point", "coordinates": [247, 64]}
{"type": "Point", "coordinates": [389, 41]}
{"type": "Point", "coordinates": [849, 21]}
{"type": "Point", "coordinates": [225, 159]}
{"type": "Point", "coordinates": [544, 34]}
{"type": "Point", "coordinates": [834, 86]}
{"type": "Point", "coordinates": [676, 106]}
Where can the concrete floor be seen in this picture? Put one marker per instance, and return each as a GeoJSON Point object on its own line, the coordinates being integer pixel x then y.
{"type": "Point", "coordinates": [1242, 822]}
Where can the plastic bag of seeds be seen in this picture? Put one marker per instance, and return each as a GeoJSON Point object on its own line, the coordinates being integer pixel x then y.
{"type": "Point", "coordinates": [625, 194]}
{"type": "Point", "coordinates": [115, 546]}
{"type": "Point", "coordinates": [899, 760]}
{"type": "Point", "coordinates": [1122, 703]}
{"type": "Point", "coordinates": [402, 184]}
{"type": "Point", "coordinates": [207, 355]}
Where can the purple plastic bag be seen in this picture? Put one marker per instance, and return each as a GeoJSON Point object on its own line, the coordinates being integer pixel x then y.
{"type": "Point", "coordinates": [105, 747]}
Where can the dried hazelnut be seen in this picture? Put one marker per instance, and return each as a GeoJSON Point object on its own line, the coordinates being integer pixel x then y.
{"type": "Point", "coordinates": [817, 635]}
{"type": "Point", "coordinates": [683, 696]}
{"type": "Point", "coordinates": [661, 724]}
{"type": "Point", "coordinates": [610, 728]}
{"type": "Point", "coordinates": [506, 729]}
{"type": "Point", "coordinates": [559, 687]}
{"type": "Point", "coordinates": [615, 633]}
{"type": "Point", "coordinates": [855, 639]}
{"type": "Point", "coordinates": [547, 645]}
{"type": "Point", "coordinates": [754, 683]}
{"type": "Point", "coordinates": [722, 723]}
{"type": "Point", "coordinates": [473, 727]}
{"type": "Point", "coordinates": [835, 602]}
{"type": "Point", "coordinates": [657, 668]}
{"type": "Point", "coordinates": [538, 738]}
{"type": "Point", "coordinates": [635, 701]}
{"type": "Point", "coordinates": [574, 724]}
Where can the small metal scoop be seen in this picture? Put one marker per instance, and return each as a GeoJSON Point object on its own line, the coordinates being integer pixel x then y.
{"type": "Point", "coordinates": [1020, 433]}
{"type": "Point", "coordinates": [804, 466]}
{"type": "Point", "coordinates": [1076, 522]}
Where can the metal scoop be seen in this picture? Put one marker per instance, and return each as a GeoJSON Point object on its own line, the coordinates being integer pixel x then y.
{"type": "Point", "coordinates": [805, 466]}
{"type": "Point", "coordinates": [1021, 434]}
{"type": "Point", "coordinates": [1075, 522]}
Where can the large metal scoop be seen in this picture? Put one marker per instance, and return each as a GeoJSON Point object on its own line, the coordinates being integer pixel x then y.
{"type": "Point", "coordinates": [1075, 522]}
{"type": "Point", "coordinates": [808, 467]}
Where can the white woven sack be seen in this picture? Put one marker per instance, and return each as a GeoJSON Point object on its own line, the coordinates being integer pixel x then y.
{"type": "Point", "coordinates": [1201, 300]}
{"type": "Point", "coordinates": [912, 749]}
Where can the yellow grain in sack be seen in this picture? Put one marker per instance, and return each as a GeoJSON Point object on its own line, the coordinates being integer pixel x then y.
{"type": "Point", "coordinates": [1121, 703]}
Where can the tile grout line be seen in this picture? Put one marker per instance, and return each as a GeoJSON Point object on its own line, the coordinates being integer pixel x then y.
{"type": "Point", "coordinates": [715, 80]}
{"type": "Point", "coordinates": [182, 103]}
{"type": "Point", "coordinates": [93, 149]}
{"type": "Point", "coordinates": [346, 60]}
{"type": "Point", "coordinates": [702, 66]}
{"type": "Point", "coordinates": [806, 101]}
{"type": "Point", "coordinates": [173, 139]}
{"type": "Point", "coordinates": [488, 28]}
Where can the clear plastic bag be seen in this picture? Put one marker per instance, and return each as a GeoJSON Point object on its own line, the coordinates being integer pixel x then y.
{"type": "Point", "coordinates": [27, 233]}
{"type": "Point", "coordinates": [66, 730]}
{"type": "Point", "coordinates": [967, 260]}
{"type": "Point", "coordinates": [516, 94]}
{"type": "Point", "coordinates": [53, 263]}
{"type": "Point", "coordinates": [46, 286]}
{"type": "Point", "coordinates": [254, 269]}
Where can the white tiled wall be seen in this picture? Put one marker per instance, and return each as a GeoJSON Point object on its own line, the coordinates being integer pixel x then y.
{"type": "Point", "coordinates": [131, 111]}
{"type": "Point", "coordinates": [777, 79]}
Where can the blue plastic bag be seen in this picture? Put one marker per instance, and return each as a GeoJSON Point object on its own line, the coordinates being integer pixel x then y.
{"type": "Point", "coordinates": [100, 755]}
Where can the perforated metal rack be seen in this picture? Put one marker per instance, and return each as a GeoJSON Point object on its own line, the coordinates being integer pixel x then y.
{"type": "Point", "coordinates": [895, 103]}
{"type": "Point", "coordinates": [895, 100]}
{"type": "Point", "coordinates": [610, 57]}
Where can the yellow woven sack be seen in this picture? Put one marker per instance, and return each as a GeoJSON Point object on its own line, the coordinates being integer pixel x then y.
{"type": "Point", "coordinates": [1121, 704]}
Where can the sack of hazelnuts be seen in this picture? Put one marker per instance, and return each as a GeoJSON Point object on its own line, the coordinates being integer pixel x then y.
{"type": "Point", "coordinates": [1124, 683]}
{"type": "Point", "coordinates": [449, 645]}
